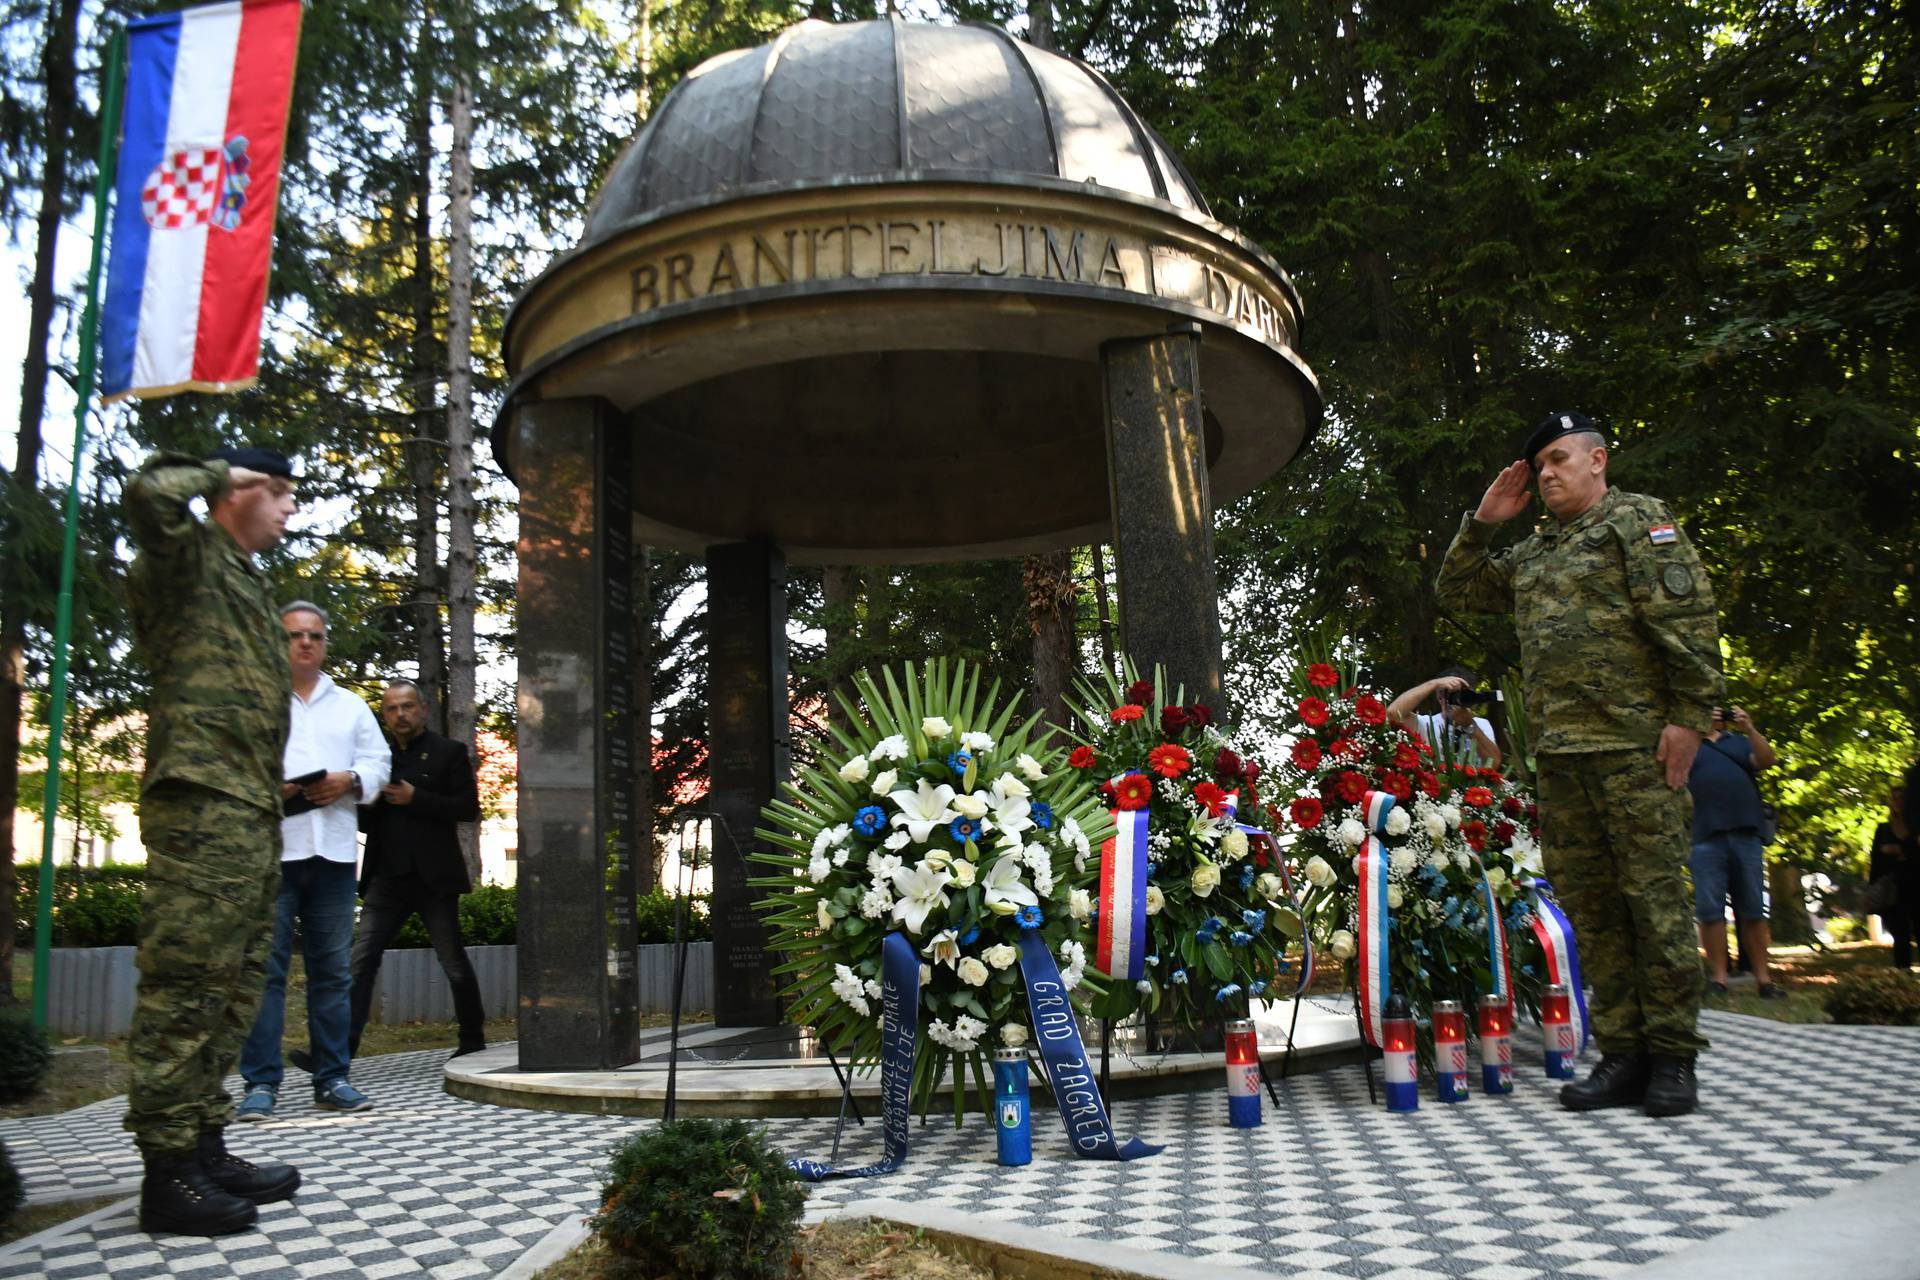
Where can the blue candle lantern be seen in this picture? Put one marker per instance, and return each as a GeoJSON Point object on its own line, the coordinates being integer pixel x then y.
{"type": "Point", "coordinates": [1012, 1113]}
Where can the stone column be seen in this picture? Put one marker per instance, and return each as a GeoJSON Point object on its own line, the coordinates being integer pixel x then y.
{"type": "Point", "coordinates": [579, 990]}
{"type": "Point", "coordinates": [1162, 510]}
{"type": "Point", "coordinates": [747, 723]}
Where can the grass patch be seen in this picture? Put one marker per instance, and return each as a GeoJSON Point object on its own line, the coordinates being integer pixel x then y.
{"type": "Point", "coordinates": [829, 1251]}
{"type": "Point", "coordinates": [1805, 974]}
{"type": "Point", "coordinates": [35, 1218]}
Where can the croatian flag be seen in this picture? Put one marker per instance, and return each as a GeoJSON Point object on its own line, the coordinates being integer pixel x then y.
{"type": "Point", "coordinates": [199, 175]}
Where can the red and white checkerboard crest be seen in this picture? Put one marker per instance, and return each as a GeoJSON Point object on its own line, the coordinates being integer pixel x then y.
{"type": "Point", "coordinates": [183, 188]}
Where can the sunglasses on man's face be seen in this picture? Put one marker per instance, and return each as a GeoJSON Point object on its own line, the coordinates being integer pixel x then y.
{"type": "Point", "coordinates": [318, 637]}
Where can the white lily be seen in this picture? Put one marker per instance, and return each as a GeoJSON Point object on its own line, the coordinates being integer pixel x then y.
{"type": "Point", "coordinates": [944, 948]}
{"type": "Point", "coordinates": [1010, 813]}
{"type": "Point", "coordinates": [923, 809]}
{"type": "Point", "coordinates": [1031, 767]}
{"type": "Point", "coordinates": [1002, 884]}
{"type": "Point", "coordinates": [921, 889]}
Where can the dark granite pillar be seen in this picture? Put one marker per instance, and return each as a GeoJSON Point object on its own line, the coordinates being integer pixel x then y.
{"type": "Point", "coordinates": [747, 722]}
{"type": "Point", "coordinates": [1162, 510]}
{"type": "Point", "coordinates": [579, 991]}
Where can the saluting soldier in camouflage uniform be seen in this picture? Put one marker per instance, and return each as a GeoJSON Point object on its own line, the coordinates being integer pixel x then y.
{"type": "Point", "coordinates": [206, 630]}
{"type": "Point", "coordinates": [1620, 654]}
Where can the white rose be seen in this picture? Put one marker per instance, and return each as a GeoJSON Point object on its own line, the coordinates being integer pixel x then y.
{"type": "Point", "coordinates": [1080, 904]}
{"type": "Point", "coordinates": [1233, 845]}
{"type": "Point", "coordinates": [1398, 822]}
{"type": "Point", "coordinates": [886, 782]}
{"type": "Point", "coordinates": [976, 742]}
{"type": "Point", "coordinates": [1013, 1035]}
{"type": "Point", "coordinates": [1268, 885]}
{"type": "Point", "coordinates": [1000, 955]}
{"type": "Point", "coordinates": [1205, 879]}
{"type": "Point", "coordinates": [972, 972]}
{"type": "Point", "coordinates": [1319, 872]}
{"type": "Point", "coordinates": [1393, 895]}
{"type": "Point", "coordinates": [964, 873]}
{"type": "Point", "coordinates": [824, 916]}
{"type": "Point", "coordinates": [1496, 876]}
{"type": "Point", "coordinates": [935, 728]}
{"type": "Point", "coordinates": [1341, 945]}
{"type": "Point", "coordinates": [1007, 785]}
{"type": "Point", "coordinates": [926, 973]}
{"type": "Point", "coordinates": [1351, 832]}
{"type": "Point", "coordinates": [855, 770]}
{"type": "Point", "coordinates": [1030, 767]}
{"type": "Point", "coordinates": [973, 806]}
{"type": "Point", "coordinates": [1155, 899]}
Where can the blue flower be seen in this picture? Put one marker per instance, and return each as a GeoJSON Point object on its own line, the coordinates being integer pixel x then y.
{"type": "Point", "coordinates": [1240, 937]}
{"type": "Point", "coordinates": [1255, 920]}
{"type": "Point", "coordinates": [1286, 966]}
{"type": "Point", "coordinates": [1029, 917]}
{"type": "Point", "coordinates": [1151, 868]}
{"type": "Point", "coordinates": [1256, 988]}
{"type": "Point", "coordinates": [1153, 962]}
{"type": "Point", "coordinates": [964, 828]}
{"type": "Point", "coordinates": [959, 760]}
{"type": "Point", "coordinates": [1042, 814]}
{"type": "Point", "coordinates": [870, 821]}
{"type": "Point", "coordinates": [1246, 878]}
{"type": "Point", "coordinates": [1207, 930]}
{"type": "Point", "coordinates": [1227, 992]}
{"type": "Point", "coordinates": [1179, 978]}
{"type": "Point", "coordinates": [970, 936]}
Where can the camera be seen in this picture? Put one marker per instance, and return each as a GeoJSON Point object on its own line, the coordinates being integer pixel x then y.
{"type": "Point", "coordinates": [1466, 698]}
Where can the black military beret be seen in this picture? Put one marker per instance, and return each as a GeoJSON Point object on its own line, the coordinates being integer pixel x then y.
{"type": "Point", "coordinates": [266, 461]}
{"type": "Point", "coordinates": [1567, 422]}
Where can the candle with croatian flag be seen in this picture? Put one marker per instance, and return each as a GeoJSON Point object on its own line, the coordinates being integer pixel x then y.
{"type": "Point", "coordinates": [1243, 1075]}
{"type": "Point", "coordinates": [1496, 1045]}
{"type": "Point", "coordinates": [1556, 1017]}
{"type": "Point", "coordinates": [1012, 1112]}
{"type": "Point", "coordinates": [1450, 1050]}
{"type": "Point", "coordinates": [1403, 1075]}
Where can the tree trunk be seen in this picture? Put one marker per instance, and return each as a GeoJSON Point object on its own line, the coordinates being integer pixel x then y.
{"type": "Point", "coordinates": [1050, 595]}
{"type": "Point", "coordinates": [462, 562]}
{"type": "Point", "coordinates": [1040, 24]}
{"type": "Point", "coordinates": [56, 62]}
{"type": "Point", "coordinates": [1106, 609]}
{"type": "Point", "coordinates": [1788, 907]}
{"type": "Point", "coordinates": [423, 449]}
{"type": "Point", "coordinates": [643, 91]}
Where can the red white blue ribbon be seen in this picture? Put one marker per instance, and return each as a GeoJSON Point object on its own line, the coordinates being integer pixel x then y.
{"type": "Point", "coordinates": [1372, 866]}
{"type": "Point", "coordinates": [1499, 955]}
{"type": "Point", "coordinates": [1121, 948]}
{"type": "Point", "coordinates": [1555, 931]}
{"type": "Point", "coordinates": [1255, 834]}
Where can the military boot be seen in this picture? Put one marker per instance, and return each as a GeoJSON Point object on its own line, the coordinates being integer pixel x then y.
{"type": "Point", "coordinates": [260, 1183]}
{"type": "Point", "coordinates": [178, 1197]}
{"type": "Point", "coordinates": [1618, 1080]}
{"type": "Point", "coordinates": [1671, 1087]}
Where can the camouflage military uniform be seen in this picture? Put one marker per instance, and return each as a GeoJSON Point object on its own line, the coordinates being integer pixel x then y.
{"type": "Point", "coordinates": [207, 632]}
{"type": "Point", "coordinates": [1618, 639]}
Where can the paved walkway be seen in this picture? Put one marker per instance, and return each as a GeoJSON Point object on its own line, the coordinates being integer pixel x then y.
{"type": "Point", "coordinates": [1496, 1189]}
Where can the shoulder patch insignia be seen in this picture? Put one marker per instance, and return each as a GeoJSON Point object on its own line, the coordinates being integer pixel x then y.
{"type": "Point", "coordinates": [1678, 581]}
{"type": "Point", "coordinates": [1597, 537]}
{"type": "Point", "coordinates": [1661, 534]}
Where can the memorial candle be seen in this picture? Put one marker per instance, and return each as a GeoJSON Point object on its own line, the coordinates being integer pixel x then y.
{"type": "Point", "coordinates": [1243, 1075]}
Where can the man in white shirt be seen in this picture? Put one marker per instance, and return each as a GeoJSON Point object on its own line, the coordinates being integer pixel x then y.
{"type": "Point", "coordinates": [335, 760]}
{"type": "Point", "coordinates": [1454, 730]}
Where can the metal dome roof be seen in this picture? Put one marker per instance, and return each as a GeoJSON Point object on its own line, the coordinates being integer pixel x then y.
{"type": "Point", "coordinates": [831, 101]}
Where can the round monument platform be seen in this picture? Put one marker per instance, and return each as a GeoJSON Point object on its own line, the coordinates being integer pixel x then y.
{"type": "Point", "coordinates": [746, 1072]}
{"type": "Point", "coordinates": [880, 261]}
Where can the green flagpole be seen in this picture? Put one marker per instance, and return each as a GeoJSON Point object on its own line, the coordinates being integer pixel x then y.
{"type": "Point", "coordinates": [112, 89]}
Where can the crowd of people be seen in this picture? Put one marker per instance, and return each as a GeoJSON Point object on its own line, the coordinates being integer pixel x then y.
{"type": "Point", "coordinates": [261, 776]}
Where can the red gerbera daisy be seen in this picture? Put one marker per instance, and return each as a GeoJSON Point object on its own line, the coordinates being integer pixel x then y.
{"type": "Point", "coordinates": [1430, 784]}
{"type": "Point", "coordinates": [1081, 757]}
{"type": "Point", "coordinates": [1503, 832]}
{"type": "Point", "coordinates": [1306, 813]}
{"type": "Point", "coordinates": [1322, 676]}
{"type": "Point", "coordinates": [1169, 760]}
{"type": "Point", "coordinates": [1512, 807]}
{"type": "Point", "coordinates": [1476, 834]}
{"type": "Point", "coordinates": [1405, 757]}
{"type": "Point", "coordinates": [1352, 786]}
{"type": "Point", "coordinates": [1313, 711]}
{"type": "Point", "coordinates": [1306, 754]}
{"type": "Point", "coordinates": [1127, 712]}
{"type": "Point", "coordinates": [1370, 709]}
{"type": "Point", "coordinates": [1134, 791]}
{"type": "Point", "coordinates": [1479, 797]}
{"type": "Point", "coordinates": [1211, 797]}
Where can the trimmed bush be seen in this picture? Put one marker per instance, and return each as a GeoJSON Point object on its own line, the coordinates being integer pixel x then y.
{"type": "Point", "coordinates": [1875, 997]}
{"type": "Point", "coordinates": [653, 918]}
{"type": "Point", "coordinates": [92, 906]}
{"type": "Point", "coordinates": [488, 918]}
{"type": "Point", "coordinates": [702, 1200]}
{"type": "Point", "coordinates": [13, 1192]}
{"type": "Point", "coordinates": [24, 1054]}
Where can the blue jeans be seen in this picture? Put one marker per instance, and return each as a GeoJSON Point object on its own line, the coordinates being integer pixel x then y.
{"type": "Point", "coordinates": [319, 894]}
{"type": "Point", "coordinates": [1729, 864]}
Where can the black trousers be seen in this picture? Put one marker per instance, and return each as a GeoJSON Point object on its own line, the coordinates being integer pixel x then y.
{"type": "Point", "coordinates": [386, 902]}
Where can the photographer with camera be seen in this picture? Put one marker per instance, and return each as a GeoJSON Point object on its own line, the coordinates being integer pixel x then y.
{"type": "Point", "coordinates": [1455, 726]}
{"type": "Point", "coordinates": [1729, 858]}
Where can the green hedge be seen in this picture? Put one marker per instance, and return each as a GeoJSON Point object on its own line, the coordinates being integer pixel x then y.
{"type": "Point", "coordinates": [100, 907]}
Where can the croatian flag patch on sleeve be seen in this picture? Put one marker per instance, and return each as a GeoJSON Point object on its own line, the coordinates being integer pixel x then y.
{"type": "Point", "coordinates": [1661, 534]}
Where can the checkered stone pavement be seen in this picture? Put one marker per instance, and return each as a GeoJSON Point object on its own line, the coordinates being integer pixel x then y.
{"type": "Point", "coordinates": [1330, 1186]}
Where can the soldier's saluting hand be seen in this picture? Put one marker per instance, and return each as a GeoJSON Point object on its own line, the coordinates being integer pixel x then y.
{"type": "Point", "coordinates": [1620, 656]}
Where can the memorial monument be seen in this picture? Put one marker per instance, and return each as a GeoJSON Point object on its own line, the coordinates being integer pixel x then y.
{"type": "Point", "coordinates": [880, 292]}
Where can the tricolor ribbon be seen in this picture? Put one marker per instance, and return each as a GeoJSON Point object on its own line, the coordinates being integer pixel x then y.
{"type": "Point", "coordinates": [1120, 950]}
{"type": "Point", "coordinates": [1371, 866]}
{"type": "Point", "coordinates": [1286, 888]}
{"type": "Point", "coordinates": [1076, 1093]}
{"type": "Point", "coordinates": [899, 1024]}
{"type": "Point", "coordinates": [1555, 931]}
{"type": "Point", "coordinates": [1499, 955]}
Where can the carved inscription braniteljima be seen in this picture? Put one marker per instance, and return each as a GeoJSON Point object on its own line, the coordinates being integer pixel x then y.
{"type": "Point", "coordinates": [863, 249]}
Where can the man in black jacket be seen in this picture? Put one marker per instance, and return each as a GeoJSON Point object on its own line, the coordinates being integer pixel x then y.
{"type": "Point", "coordinates": [413, 860]}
